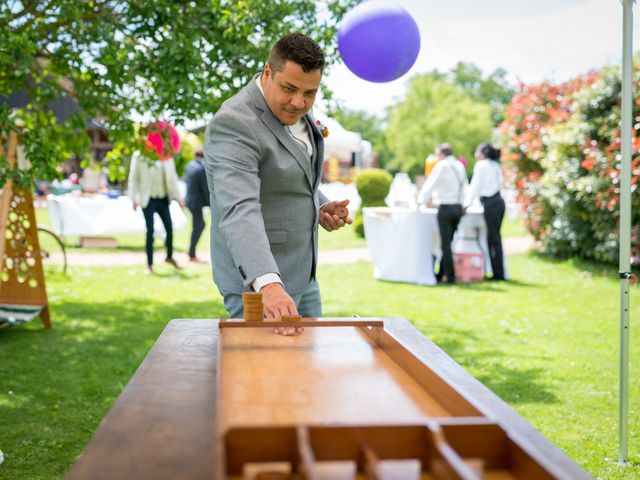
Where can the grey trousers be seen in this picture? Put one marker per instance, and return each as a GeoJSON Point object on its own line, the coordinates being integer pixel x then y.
{"type": "Point", "coordinates": [309, 303]}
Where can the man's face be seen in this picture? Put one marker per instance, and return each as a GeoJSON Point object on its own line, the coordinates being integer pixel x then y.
{"type": "Point", "coordinates": [291, 92]}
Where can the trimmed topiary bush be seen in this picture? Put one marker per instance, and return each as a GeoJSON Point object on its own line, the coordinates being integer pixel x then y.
{"type": "Point", "coordinates": [373, 187]}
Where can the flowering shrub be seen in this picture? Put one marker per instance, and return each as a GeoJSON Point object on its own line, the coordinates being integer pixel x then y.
{"type": "Point", "coordinates": [562, 145]}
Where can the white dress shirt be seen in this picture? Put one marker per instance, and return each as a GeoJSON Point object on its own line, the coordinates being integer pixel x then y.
{"type": "Point", "coordinates": [300, 134]}
{"type": "Point", "coordinates": [446, 184]}
{"type": "Point", "coordinates": [486, 181]}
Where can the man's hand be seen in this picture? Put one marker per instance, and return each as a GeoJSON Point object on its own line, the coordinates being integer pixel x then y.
{"type": "Point", "coordinates": [329, 220]}
{"type": "Point", "coordinates": [278, 303]}
{"type": "Point", "coordinates": [135, 206]}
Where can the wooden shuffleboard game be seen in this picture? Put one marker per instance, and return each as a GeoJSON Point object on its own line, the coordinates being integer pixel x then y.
{"type": "Point", "coordinates": [349, 399]}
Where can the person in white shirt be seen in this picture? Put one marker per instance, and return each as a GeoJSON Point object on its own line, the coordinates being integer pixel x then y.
{"type": "Point", "coordinates": [152, 185]}
{"type": "Point", "coordinates": [486, 184]}
{"type": "Point", "coordinates": [446, 185]}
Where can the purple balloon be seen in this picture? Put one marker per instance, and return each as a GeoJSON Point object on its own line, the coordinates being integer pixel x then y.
{"type": "Point", "coordinates": [378, 40]}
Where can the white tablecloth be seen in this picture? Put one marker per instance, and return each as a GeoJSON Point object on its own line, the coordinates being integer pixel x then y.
{"type": "Point", "coordinates": [403, 241]}
{"type": "Point", "coordinates": [97, 215]}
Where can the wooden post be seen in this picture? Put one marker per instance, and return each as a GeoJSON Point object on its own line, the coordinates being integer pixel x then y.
{"type": "Point", "coordinates": [21, 273]}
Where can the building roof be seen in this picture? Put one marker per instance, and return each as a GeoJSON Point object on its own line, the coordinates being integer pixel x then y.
{"type": "Point", "coordinates": [63, 107]}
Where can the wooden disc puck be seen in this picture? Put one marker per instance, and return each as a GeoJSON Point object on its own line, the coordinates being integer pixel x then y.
{"type": "Point", "coordinates": [251, 297]}
{"type": "Point", "coordinates": [341, 212]}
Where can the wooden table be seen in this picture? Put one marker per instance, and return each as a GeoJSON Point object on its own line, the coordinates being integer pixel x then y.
{"type": "Point", "coordinates": [210, 398]}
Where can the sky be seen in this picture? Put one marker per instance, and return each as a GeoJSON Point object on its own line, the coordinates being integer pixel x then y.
{"type": "Point", "coordinates": [533, 40]}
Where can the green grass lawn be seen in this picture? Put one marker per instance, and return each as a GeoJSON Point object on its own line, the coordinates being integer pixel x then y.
{"type": "Point", "coordinates": [546, 342]}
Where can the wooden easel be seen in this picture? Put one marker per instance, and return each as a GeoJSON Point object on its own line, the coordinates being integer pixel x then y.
{"type": "Point", "coordinates": [21, 273]}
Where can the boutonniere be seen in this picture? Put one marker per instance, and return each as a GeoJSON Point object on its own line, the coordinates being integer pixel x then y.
{"type": "Point", "coordinates": [323, 129]}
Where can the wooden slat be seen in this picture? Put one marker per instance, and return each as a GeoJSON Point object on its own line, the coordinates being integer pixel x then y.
{"type": "Point", "coordinates": [305, 322]}
{"type": "Point", "coordinates": [305, 453]}
{"type": "Point", "coordinates": [163, 424]}
{"type": "Point", "coordinates": [258, 445]}
{"type": "Point", "coordinates": [389, 442]}
{"type": "Point", "coordinates": [485, 440]}
{"type": "Point", "coordinates": [446, 462]}
{"type": "Point", "coordinates": [523, 466]}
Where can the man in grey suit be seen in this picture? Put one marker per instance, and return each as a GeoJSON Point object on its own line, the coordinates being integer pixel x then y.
{"type": "Point", "coordinates": [263, 157]}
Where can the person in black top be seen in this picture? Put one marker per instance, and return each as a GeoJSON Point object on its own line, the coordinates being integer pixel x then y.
{"type": "Point", "coordinates": [196, 199]}
{"type": "Point", "coordinates": [486, 184]}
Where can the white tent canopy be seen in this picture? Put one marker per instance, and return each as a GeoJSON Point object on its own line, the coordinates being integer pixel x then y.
{"type": "Point", "coordinates": [342, 143]}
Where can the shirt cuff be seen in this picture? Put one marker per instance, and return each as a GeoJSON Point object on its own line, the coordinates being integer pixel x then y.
{"type": "Point", "coordinates": [265, 279]}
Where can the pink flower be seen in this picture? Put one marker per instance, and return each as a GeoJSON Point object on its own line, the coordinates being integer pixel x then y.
{"type": "Point", "coordinates": [323, 129]}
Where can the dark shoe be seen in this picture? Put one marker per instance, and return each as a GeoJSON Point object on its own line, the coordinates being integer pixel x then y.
{"type": "Point", "coordinates": [171, 261]}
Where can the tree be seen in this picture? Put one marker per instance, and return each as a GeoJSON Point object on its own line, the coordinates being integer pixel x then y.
{"type": "Point", "coordinates": [370, 126]}
{"type": "Point", "coordinates": [562, 143]}
{"type": "Point", "coordinates": [433, 112]}
{"type": "Point", "coordinates": [494, 90]}
{"type": "Point", "coordinates": [127, 60]}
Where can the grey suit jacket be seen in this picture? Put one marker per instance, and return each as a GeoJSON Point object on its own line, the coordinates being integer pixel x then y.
{"type": "Point", "coordinates": [264, 196]}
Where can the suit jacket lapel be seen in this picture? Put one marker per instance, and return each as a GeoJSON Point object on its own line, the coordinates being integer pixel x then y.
{"type": "Point", "coordinates": [273, 124]}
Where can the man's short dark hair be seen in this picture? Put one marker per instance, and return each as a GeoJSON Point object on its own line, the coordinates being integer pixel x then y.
{"type": "Point", "coordinates": [297, 48]}
{"type": "Point", "coordinates": [445, 149]}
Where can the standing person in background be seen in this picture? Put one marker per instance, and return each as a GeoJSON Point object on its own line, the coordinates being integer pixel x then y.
{"type": "Point", "coordinates": [196, 199]}
{"type": "Point", "coordinates": [486, 184]}
{"type": "Point", "coordinates": [263, 155]}
{"type": "Point", "coordinates": [447, 184]}
{"type": "Point", "coordinates": [429, 163]}
{"type": "Point", "coordinates": [152, 185]}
